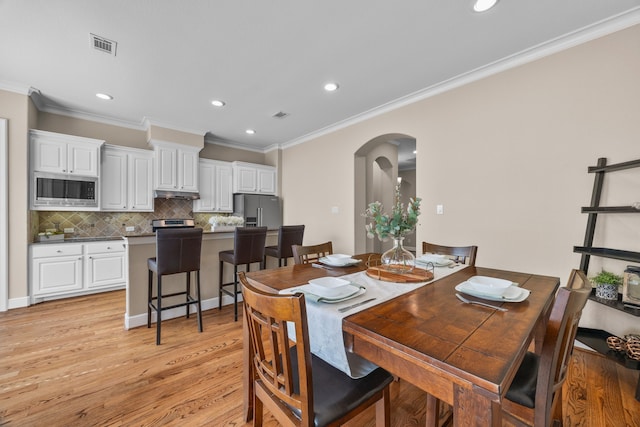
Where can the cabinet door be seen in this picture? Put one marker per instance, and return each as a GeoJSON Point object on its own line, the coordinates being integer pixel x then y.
{"type": "Point", "coordinates": [105, 270]}
{"type": "Point", "coordinates": [245, 180]}
{"type": "Point", "coordinates": [224, 188]}
{"type": "Point", "coordinates": [166, 168]}
{"type": "Point", "coordinates": [114, 181]}
{"type": "Point", "coordinates": [82, 159]}
{"type": "Point", "coordinates": [266, 181]}
{"type": "Point", "coordinates": [207, 178]}
{"type": "Point", "coordinates": [49, 156]}
{"type": "Point", "coordinates": [188, 170]}
{"type": "Point", "coordinates": [140, 183]}
{"type": "Point", "coordinates": [56, 275]}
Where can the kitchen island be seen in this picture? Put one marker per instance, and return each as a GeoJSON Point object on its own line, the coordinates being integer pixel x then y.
{"type": "Point", "coordinates": [143, 247]}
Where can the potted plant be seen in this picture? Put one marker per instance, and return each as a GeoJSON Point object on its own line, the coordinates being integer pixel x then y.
{"type": "Point", "coordinates": [607, 284]}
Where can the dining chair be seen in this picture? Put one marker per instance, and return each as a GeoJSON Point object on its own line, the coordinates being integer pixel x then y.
{"type": "Point", "coordinates": [463, 254]}
{"type": "Point", "coordinates": [310, 254]}
{"type": "Point", "coordinates": [177, 251]}
{"type": "Point", "coordinates": [288, 235]}
{"type": "Point", "coordinates": [534, 397]}
{"type": "Point", "coordinates": [298, 388]}
{"type": "Point", "coordinates": [248, 248]}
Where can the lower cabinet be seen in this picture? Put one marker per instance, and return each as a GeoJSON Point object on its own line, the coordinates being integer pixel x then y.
{"type": "Point", "coordinates": [69, 269]}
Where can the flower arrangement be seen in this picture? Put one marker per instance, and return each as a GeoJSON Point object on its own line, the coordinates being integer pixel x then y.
{"type": "Point", "coordinates": [224, 220]}
{"type": "Point", "coordinates": [400, 223]}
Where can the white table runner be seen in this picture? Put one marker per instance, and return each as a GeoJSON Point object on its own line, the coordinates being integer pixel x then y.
{"type": "Point", "coordinates": [325, 321]}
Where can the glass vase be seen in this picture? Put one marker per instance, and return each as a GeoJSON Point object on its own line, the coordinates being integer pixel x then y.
{"type": "Point", "coordinates": [398, 259]}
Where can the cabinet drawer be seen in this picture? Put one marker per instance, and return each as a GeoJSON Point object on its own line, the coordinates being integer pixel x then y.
{"type": "Point", "coordinates": [110, 246]}
{"type": "Point", "coordinates": [48, 250]}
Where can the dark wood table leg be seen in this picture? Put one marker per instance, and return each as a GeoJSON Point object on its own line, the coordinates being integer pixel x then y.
{"type": "Point", "coordinates": [471, 408]}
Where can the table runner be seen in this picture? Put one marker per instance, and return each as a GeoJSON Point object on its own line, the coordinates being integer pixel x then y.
{"type": "Point", "coordinates": [325, 321]}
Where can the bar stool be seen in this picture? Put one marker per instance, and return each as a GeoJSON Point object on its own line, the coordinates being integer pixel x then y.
{"type": "Point", "coordinates": [177, 251]}
{"type": "Point", "coordinates": [288, 235]}
{"type": "Point", "coordinates": [248, 247]}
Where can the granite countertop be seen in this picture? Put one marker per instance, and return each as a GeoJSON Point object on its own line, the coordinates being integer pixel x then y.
{"type": "Point", "coordinates": [79, 240]}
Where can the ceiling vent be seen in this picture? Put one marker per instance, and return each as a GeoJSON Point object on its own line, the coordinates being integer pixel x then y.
{"type": "Point", "coordinates": [280, 115]}
{"type": "Point", "coordinates": [103, 45]}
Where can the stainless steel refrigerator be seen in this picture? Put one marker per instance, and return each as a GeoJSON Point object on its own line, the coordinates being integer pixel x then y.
{"type": "Point", "coordinates": [258, 210]}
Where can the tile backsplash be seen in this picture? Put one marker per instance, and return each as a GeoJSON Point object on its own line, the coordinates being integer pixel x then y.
{"type": "Point", "coordinates": [113, 224]}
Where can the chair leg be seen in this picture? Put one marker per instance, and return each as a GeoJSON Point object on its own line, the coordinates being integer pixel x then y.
{"type": "Point", "coordinates": [433, 411]}
{"type": "Point", "coordinates": [199, 306]}
{"type": "Point", "coordinates": [220, 287]}
{"type": "Point", "coordinates": [383, 410]}
{"type": "Point", "coordinates": [188, 294]}
{"type": "Point", "coordinates": [235, 292]}
{"type": "Point", "coordinates": [159, 310]}
{"type": "Point", "coordinates": [149, 295]}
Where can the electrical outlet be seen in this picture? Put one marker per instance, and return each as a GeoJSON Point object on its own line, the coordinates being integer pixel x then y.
{"type": "Point", "coordinates": [130, 228]}
{"type": "Point", "coordinates": [439, 209]}
{"type": "Point", "coordinates": [70, 230]}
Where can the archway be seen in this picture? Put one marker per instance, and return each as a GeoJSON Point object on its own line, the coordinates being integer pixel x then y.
{"type": "Point", "coordinates": [376, 173]}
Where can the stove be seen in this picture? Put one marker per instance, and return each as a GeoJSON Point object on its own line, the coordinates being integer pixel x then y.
{"type": "Point", "coordinates": [172, 223]}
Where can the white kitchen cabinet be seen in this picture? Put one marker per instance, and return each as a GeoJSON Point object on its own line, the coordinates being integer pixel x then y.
{"type": "Point", "coordinates": [127, 180]}
{"type": "Point", "coordinates": [106, 264]}
{"type": "Point", "coordinates": [56, 269]}
{"type": "Point", "coordinates": [216, 187]}
{"type": "Point", "coordinates": [70, 269]}
{"type": "Point", "coordinates": [254, 178]}
{"type": "Point", "coordinates": [68, 154]}
{"type": "Point", "coordinates": [176, 167]}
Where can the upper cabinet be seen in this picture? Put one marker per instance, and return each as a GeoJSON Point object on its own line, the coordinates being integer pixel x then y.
{"type": "Point", "coordinates": [127, 179]}
{"type": "Point", "coordinates": [253, 178]}
{"type": "Point", "coordinates": [176, 167]}
{"type": "Point", "coordinates": [216, 187]}
{"type": "Point", "coordinates": [68, 154]}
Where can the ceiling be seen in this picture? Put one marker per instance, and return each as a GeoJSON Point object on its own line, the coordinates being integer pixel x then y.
{"type": "Point", "coordinates": [172, 58]}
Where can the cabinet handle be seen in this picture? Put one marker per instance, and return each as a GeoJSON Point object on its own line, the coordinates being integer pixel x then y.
{"type": "Point", "coordinates": [59, 251]}
{"type": "Point", "coordinates": [108, 247]}
{"type": "Point", "coordinates": [81, 257]}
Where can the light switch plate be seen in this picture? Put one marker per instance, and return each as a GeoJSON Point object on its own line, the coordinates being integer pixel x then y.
{"type": "Point", "coordinates": [70, 230]}
{"type": "Point", "coordinates": [130, 228]}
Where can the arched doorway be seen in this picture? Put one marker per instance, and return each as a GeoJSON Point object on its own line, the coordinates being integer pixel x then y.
{"type": "Point", "coordinates": [378, 164]}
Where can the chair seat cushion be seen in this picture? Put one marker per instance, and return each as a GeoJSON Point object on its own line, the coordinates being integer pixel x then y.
{"type": "Point", "coordinates": [227, 256]}
{"type": "Point", "coordinates": [523, 387]}
{"type": "Point", "coordinates": [335, 393]}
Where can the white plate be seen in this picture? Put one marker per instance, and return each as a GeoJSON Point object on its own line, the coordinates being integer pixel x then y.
{"type": "Point", "coordinates": [338, 258]}
{"type": "Point", "coordinates": [512, 294]}
{"type": "Point", "coordinates": [437, 260]}
{"type": "Point", "coordinates": [343, 263]}
{"type": "Point", "coordinates": [330, 287]}
{"type": "Point", "coordinates": [490, 285]}
{"type": "Point", "coordinates": [317, 293]}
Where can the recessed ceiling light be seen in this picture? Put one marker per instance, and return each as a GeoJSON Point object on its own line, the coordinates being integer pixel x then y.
{"type": "Point", "coordinates": [218, 103]}
{"type": "Point", "coordinates": [331, 87]}
{"type": "Point", "coordinates": [484, 5]}
{"type": "Point", "coordinates": [250, 131]}
{"type": "Point", "coordinates": [104, 96]}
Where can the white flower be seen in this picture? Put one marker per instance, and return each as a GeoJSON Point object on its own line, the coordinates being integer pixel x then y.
{"type": "Point", "coordinates": [226, 220]}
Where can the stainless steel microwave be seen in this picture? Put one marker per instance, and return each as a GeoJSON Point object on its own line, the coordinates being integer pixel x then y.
{"type": "Point", "coordinates": [52, 191]}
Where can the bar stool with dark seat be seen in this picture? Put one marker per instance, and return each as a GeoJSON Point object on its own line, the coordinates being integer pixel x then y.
{"type": "Point", "coordinates": [177, 251]}
{"type": "Point", "coordinates": [288, 235]}
{"type": "Point", "coordinates": [248, 247]}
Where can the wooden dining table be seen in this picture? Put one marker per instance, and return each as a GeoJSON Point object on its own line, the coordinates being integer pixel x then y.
{"type": "Point", "coordinates": [464, 355]}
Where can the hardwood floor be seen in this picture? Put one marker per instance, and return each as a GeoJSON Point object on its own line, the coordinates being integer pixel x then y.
{"type": "Point", "coordinates": [71, 363]}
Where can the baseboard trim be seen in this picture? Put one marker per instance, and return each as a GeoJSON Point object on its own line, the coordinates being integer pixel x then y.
{"type": "Point", "coordinates": [138, 320]}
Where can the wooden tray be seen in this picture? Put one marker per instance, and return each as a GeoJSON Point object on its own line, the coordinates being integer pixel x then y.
{"type": "Point", "coordinates": [417, 275]}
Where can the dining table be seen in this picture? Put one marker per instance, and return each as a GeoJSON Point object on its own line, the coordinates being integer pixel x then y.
{"type": "Point", "coordinates": [461, 354]}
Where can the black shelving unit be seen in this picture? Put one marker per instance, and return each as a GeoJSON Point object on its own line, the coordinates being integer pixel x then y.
{"type": "Point", "coordinates": [587, 250]}
{"type": "Point", "coordinates": [597, 338]}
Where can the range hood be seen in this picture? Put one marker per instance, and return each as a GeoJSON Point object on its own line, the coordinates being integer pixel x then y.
{"type": "Point", "coordinates": [182, 195]}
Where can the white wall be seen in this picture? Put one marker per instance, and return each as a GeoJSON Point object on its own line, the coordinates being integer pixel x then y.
{"type": "Point", "coordinates": [507, 156]}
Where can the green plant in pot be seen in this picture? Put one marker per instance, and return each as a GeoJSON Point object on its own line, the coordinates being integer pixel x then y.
{"type": "Point", "coordinates": [607, 284]}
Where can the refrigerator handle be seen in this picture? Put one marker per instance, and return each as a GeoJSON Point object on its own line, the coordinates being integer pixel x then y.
{"type": "Point", "coordinates": [259, 217]}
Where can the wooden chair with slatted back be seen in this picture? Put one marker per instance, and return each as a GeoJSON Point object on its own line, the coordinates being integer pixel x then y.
{"type": "Point", "coordinates": [535, 395]}
{"type": "Point", "coordinates": [310, 254]}
{"type": "Point", "coordinates": [298, 388]}
{"type": "Point", "coordinates": [463, 254]}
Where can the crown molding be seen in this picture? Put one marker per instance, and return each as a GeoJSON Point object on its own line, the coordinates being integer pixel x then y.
{"type": "Point", "coordinates": [240, 146]}
{"type": "Point", "coordinates": [567, 41]}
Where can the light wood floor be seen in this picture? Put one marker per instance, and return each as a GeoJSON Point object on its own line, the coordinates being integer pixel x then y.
{"type": "Point", "coordinates": [71, 363]}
